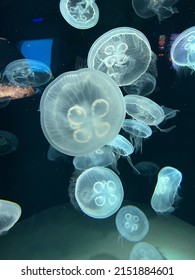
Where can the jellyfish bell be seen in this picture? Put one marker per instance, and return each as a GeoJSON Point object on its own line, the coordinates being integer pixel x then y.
{"type": "Point", "coordinates": [8, 142]}
{"type": "Point", "coordinates": [27, 73]}
{"type": "Point", "coordinates": [149, 8]}
{"type": "Point", "coordinates": [131, 223]}
{"type": "Point", "coordinates": [144, 251]}
{"type": "Point", "coordinates": [81, 14]}
{"type": "Point", "coordinates": [10, 213]}
{"type": "Point", "coordinates": [137, 132]}
{"type": "Point", "coordinates": [99, 192]}
{"type": "Point", "coordinates": [183, 49]}
{"type": "Point", "coordinates": [78, 116]}
{"type": "Point", "coordinates": [166, 190]}
{"type": "Point", "coordinates": [117, 53]}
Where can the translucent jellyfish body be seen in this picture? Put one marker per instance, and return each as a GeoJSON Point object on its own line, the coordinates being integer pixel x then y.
{"type": "Point", "coordinates": [137, 132]}
{"type": "Point", "coordinates": [8, 142]}
{"type": "Point", "coordinates": [122, 53]}
{"type": "Point", "coordinates": [81, 14]}
{"type": "Point", "coordinates": [28, 73]}
{"type": "Point", "coordinates": [144, 109]}
{"type": "Point", "coordinates": [131, 223]}
{"type": "Point", "coordinates": [145, 85]}
{"type": "Point", "coordinates": [144, 251]}
{"type": "Point", "coordinates": [149, 8]}
{"type": "Point", "coordinates": [165, 193]}
{"type": "Point", "coordinates": [99, 192]}
{"type": "Point", "coordinates": [81, 111]}
{"type": "Point", "coordinates": [183, 49]}
{"type": "Point", "coordinates": [100, 157]}
{"type": "Point", "coordinates": [10, 213]}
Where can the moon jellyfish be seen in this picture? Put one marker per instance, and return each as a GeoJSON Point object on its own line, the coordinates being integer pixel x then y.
{"type": "Point", "coordinates": [122, 53]}
{"type": "Point", "coordinates": [183, 49]}
{"type": "Point", "coordinates": [100, 157]}
{"type": "Point", "coordinates": [8, 142]}
{"type": "Point", "coordinates": [144, 86]}
{"type": "Point", "coordinates": [78, 116]}
{"type": "Point", "coordinates": [9, 92]}
{"type": "Point", "coordinates": [165, 193]}
{"type": "Point", "coordinates": [144, 251]}
{"type": "Point", "coordinates": [99, 192]}
{"type": "Point", "coordinates": [54, 155]}
{"type": "Point", "coordinates": [81, 14]}
{"type": "Point", "coordinates": [149, 8]}
{"type": "Point", "coordinates": [137, 132]}
{"type": "Point", "coordinates": [132, 223]}
{"type": "Point", "coordinates": [27, 73]}
{"type": "Point", "coordinates": [10, 213]}
{"type": "Point", "coordinates": [144, 109]}
{"type": "Point", "coordinates": [147, 168]}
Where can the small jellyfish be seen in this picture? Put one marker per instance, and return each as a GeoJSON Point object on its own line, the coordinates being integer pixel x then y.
{"type": "Point", "coordinates": [137, 132]}
{"type": "Point", "coordinates": [122, 53]}
{"type": "Point", "coordinates": [183, 49]}
{"type": "Point", "coordinates": [78, 116]}
{"type": "Point", "coordinates": [54, 155]}
{"type": "Point", "coordinates": [81, 14]}
{"type": "Point", "coordinates": [8, 142]}
{"type": "Point", "coordinates": [166, 189]}
{"type": "Point", "coordinates": [147, 169]}
{"type": "Point", "coordinates": [149, 8]}
{"type": "Point", "coordinates": [100, 157]}
{"type": "Point", "coordinates": [144, 251]}
{"type": "Point", "coordinates": [99, 192]}
{"type": "Point", "coordinates": [132, 223]}
{"type": "Point", "coordinates": [27, 73]}
{"type": "Point", "coordinates": [10, 213]}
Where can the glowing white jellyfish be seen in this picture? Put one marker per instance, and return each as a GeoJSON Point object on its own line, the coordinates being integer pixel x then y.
{"type": "Point", "coordinates": [99, 192]}
{"type": "Point", "coordinates": [122, 53]}
{"type": "Point", "coordinates": [78, 116]}
{"type": "Point", "coordinates": [166, 189]}
{"type": "Point", "coordinates": [10, 213]}
{"type": "Point", "coordinates": [144, 251]}
{"type": "Point", "coordinates": [81, 14]}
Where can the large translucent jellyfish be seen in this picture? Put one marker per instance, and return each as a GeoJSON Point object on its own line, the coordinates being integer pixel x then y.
{"type": "Point", "coordinates": [183, 49]}
{"type": "Point", "coordinates": [137, 132]}
{"type": "Point", "coordinates": [8, 142]}
{"type": "Point", "coordinates": [99, 192]}
{"type": "Point", "coordinates": [132, 223]}
{"type": "Point", "coordinates": [10, 213]}
{"type": "Point", "coordinates": [149, 8]}
{"type": "Point", "coordinates": [122, 53]}
{"type": "Point", "coordinates": [27, 73]}
{"type": "Point", "coordinates": [144, 251]}
{"type": "Point", "coordinates": [81, 111]}
{"type": "Point", "coordinates": [166, 189]}
{"type": "Point", "coordinates": [81, 14]}
{"type": "Point", "coordinates": [100, 157]}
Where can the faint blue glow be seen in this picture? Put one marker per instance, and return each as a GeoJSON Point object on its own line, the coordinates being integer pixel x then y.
{"type": "Point", "coordinates": [37, 19]}
{"type": "Point", "coordinates": [37, 49]}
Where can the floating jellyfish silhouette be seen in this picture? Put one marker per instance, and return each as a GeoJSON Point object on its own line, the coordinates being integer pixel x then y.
{"type": "Point", "coordinates": [81, 14]}
{"type": "Point", "coordinates": [183, 49]}
{"type": "Point", "coordinates": [54, 155]}
{"type": "Point", "coordinates": [3, 103]}
{"type": "Point", "coordinates": [8, 142]}
{"type": "Point", "coordinates": [149, 8]}
{"type": "Point", "coordinates": [147, 168]}
{"type": "Point", "coordinates": [137, 132]}
{"type": "Point", "coordinates": [132, 223]}
{"type": "Point", "coordinates": [144, 251]}
{"type": "Point", "coordinates": [28, 73]}
{"type": "Point", "coordinates": [122, 53]}
{"type": "Point", "coordinates": [99, 192]}
{"type": "Point", "coordinates": [10, 213]}
{"type": "Point", "coordinates": [10, 92]}
{"type": "Point", "coordinates": [144, 86]}
{"type": "Point", "coordinates": [101, 157]}
{"type": "Point", "coordinates": [165, 193]}
{"type": "Point", "coordinates": [78, 116]}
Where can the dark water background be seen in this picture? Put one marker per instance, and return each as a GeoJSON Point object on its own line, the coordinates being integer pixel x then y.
{"type": "Point", "coordinates": [27, 176]}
